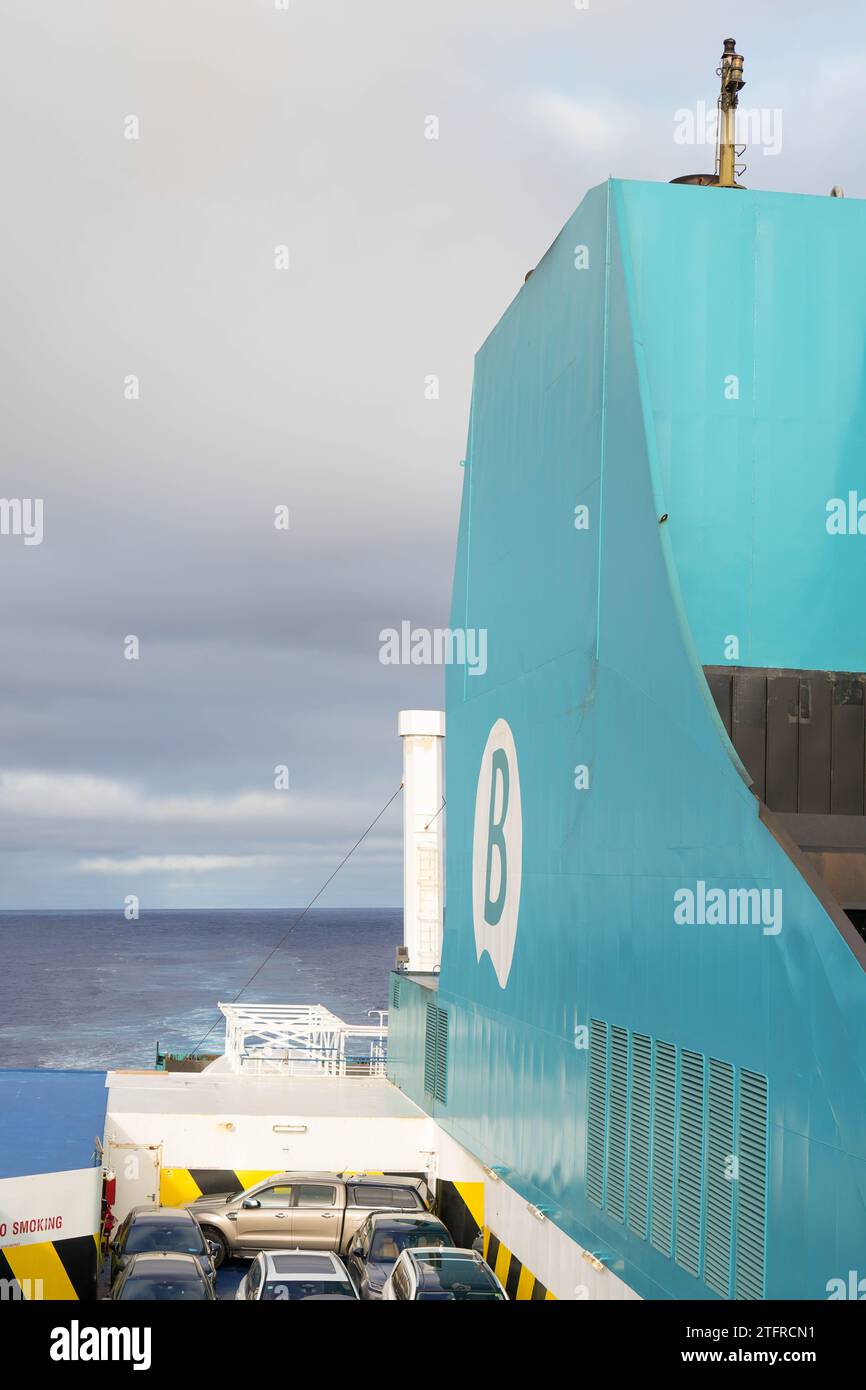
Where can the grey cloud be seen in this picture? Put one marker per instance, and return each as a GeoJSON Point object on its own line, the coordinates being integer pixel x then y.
{"type": "Point", "coordinates": [302, 387]}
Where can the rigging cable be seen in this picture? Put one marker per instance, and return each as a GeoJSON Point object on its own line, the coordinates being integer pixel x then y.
{"type": "Point", "coordinates": [299, 919]}
{"type": "Point", "coordinates": [436, 817]}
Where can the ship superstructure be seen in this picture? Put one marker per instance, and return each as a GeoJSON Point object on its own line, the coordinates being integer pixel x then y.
{"type": "Point", "coordinates": [649, 1023]}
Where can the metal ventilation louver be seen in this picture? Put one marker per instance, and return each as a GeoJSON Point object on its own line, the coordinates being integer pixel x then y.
{"type": "Point", "coordinates": [596, 1105]}
{"type": "Point", "coordinates": [441, 1091]}
{"type": "Point", "coordinates": [663, 1146]}
{"type": "Point", "coordinates": [639, 1129]}
{"type": "Point", "coordinates": [617, 1124]}
{"type": "Point", "coordinates": [749, 1270]}
{"type": "Point", "coordinates": [395, 991]}
{"type": "Point", "coordinates": [436, 1054]}
{"type": "Point", "coordinates": [690, 1164]}
{"type": "Point", "coordinates": [430, 1050]}
{"type": "Point", "coordinates": [719, 1177]}
{"type": "Point", "coordinates": [676, 1146]}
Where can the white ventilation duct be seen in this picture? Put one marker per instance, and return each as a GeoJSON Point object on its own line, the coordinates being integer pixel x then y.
{"type": "Point", "coordinates": [423, 735]}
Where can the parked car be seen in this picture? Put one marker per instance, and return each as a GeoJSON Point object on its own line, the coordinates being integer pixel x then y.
{"type": "Point", "coordinates": [162, 1276]}
{"type": "Point", "coordinates": [171, 1229]}
{"type": "Point", "coordinates": [297, 1276]}
{"type": "Point", "coordinates": [442, 1276]}
{"type": "Point", "coordinates": [373, 1252]}
{"type": "Point", "coordinates": [307, 1211]}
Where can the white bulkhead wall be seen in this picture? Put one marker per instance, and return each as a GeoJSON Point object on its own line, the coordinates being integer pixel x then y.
{"type": "Point", "coordinates": [423, 735]}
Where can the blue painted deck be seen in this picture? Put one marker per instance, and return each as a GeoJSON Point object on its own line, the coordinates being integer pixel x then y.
{"type": "Point", "coordinates": [50, 1120]}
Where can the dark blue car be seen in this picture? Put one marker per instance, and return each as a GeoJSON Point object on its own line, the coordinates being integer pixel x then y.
{"type": "Point", "coordinates": [159, 1276]}
{"type": "Point", "coordinates": [149, 1229]}
{"type": "Point", "coordinates": [383, 1236]}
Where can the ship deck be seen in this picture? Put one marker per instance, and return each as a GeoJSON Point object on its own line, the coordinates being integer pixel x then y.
{"type": "Point", "coordinates": [204, 1093]}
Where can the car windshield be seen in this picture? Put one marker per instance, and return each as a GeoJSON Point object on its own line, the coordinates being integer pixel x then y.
{"type": "Point", "coordinates": [163, 1290]}
{"type": "Point", "coordinates": [294, 1290]}
{"type": "Point", "coordinates": [170, 1235]}
{"type": "Point", "coordinates": [450, 1274]}
{"type": "Point", "coordinates": [390, 1240]}
{"type": "Point", "coordinates": [488, 1295]}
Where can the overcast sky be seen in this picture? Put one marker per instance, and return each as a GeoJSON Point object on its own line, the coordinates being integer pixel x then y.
{"type": "Point", "coordinates": [261, 127]}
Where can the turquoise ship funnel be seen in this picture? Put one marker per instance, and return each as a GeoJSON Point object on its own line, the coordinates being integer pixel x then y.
{"type": "Point", "coordinates": [652, 1003]}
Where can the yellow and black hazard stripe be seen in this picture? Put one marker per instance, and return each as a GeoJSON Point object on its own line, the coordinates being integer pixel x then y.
{"type": "Point", "coordinates": [461, 1206]}
{"type": "Point", "coordinates": [520, 1284]}
{"type": "Point", "coordinates": [51, 1270]}
{"type": "Point", "coordinates": [177, 1186]}
{"type": "Point", "coordinates": [182, 1184]}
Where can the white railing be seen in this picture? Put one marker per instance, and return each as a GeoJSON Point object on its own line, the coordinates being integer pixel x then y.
{"type": "Point", "coordinates": [301, 1039]}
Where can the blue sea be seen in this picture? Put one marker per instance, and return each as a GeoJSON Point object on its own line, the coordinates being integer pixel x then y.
{"type": "Point", "coordinates": [89, 989]}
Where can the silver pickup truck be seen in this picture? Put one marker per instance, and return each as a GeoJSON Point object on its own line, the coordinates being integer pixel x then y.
{"type": "Point", "coordinates": [302, 1211]}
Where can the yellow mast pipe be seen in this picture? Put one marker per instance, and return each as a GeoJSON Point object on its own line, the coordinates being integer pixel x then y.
{"type": "Point", "coordinates": [731, 72]}
{"type": "Point", "coordinates": [726, 149]}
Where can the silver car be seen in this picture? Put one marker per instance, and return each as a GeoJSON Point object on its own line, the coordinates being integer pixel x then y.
{"type": "Point", "coordinates": [296, 1276]}
{"type": "Point", "coordinates": [442, 1276]}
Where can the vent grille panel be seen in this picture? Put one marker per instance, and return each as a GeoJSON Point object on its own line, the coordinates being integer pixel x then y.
{"type": "Point", "coordinates": [618, 1112]}
{"type": "Point", "coordinates": [751, 1187]}
{"type": "Point", "coordinates": [664, 1146]}
{"type": "Point", "coordinates": [596, 1105]}
{"type": "Point", "coordinates": [720, 1187]}
{"type": "Point", "coordinates": [441, 1089]}
{"type": "Point", "coordinates": [639, 1134]}
{"type": "Point", "coordinates": [677, 1148]}
{"type": "Point", "coordinates": [430, 1051]}
{"type": "Point", "coordinates": [690, 1165]}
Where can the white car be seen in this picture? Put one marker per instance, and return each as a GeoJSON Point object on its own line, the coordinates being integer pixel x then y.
{"type": "Point", "coordinates": [435, 1274]}
{"type": "Point", "coordinates": [294, 1276]}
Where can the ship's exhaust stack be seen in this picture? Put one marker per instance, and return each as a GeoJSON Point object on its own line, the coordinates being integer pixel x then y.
{"type": "Point", "coordinates": [730, 70]}
{"type": "Point", "coordinates": [731, 73]}
{"type": "Point", "coordinates": [423, 735]}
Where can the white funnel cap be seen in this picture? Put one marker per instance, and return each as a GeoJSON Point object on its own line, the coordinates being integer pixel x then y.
{"type": "Point", "coordinates": [427, 723]}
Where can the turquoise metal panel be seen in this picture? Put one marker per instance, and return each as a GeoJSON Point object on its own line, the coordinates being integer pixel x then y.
{"type": "Point", "coordinates": [407, 1038]}
{"type": "Point", "coordinates": [768, 288]}
{"type": "Point", "coordinates": [595, 643]}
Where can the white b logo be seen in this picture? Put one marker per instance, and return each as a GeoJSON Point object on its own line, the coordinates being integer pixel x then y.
{"type": "Point", "coordinates": [497, 851]}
